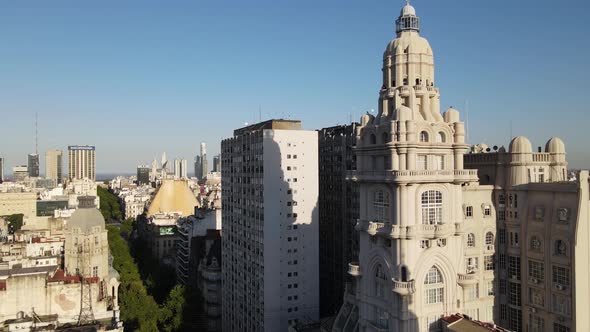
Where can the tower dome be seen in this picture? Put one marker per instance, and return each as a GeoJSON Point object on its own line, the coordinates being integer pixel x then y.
{"type": "Point", "coordinates": [87, 216]}
{"type": "Point", "coordinates": [520, 144]}
{"type": "Point", "coordinates": [408, 10]}
{"type": "Point", "coordinates": [555, 145]}
{"type": "Point", "coordinates": [407, 21]}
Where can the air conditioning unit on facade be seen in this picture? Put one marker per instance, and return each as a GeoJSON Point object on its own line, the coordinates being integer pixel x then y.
{"type": "Point", "coordinates": [533, 310]}
{"type": "Point", "coordinates": [533, 280]}
{"type": "Point", "coordinates": [559, 287]}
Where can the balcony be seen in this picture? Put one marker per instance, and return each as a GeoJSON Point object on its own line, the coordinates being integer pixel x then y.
{"type": "Point", "coordinates": [419, 90]}
{"type": "Point", "coordinates": [414, 176]}
{"type": "Point", "coordinates": [211, 275]}
{"type": "Point", "coordinates": [404, 288]}
{"type": "Point", "coordinates": [354, 269]}
{"type": "Point", "coordinates": [420, 231]}
{"type": "Point", "coordinates": [467, 279]}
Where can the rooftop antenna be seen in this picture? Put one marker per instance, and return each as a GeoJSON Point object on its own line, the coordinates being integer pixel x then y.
{"type": "Point", "coordinates": [36, 133]}
{"type": "Point", "coordinates": [259, 113]}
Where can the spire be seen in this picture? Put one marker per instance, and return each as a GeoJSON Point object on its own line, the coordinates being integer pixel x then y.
{"type": "Point", "coordinates": [407, 21]}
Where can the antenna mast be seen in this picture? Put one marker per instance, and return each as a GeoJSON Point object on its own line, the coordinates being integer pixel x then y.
{"type": "Point", "coordinates": [36, 133]}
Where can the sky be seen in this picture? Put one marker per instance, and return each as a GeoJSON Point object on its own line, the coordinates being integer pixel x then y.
{"type": "Point", "coordinates": [137, 78]}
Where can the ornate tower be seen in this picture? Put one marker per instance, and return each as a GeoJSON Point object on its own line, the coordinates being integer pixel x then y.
{"type": "Point", "coordinates": [410, 169]}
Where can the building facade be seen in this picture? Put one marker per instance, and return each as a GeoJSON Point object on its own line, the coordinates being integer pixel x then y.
{"type": "Point", "coordinates": [54, 166]}
{"type": "Point", "coordinates": [143, 175]}
{"type": "Point", "coordinates": [203, 158]}
{"type": "Point", "coordinates": [270, 227]}
{"type": "Point", "coordinates": [339, 207]}
{"type": "Point", "coordinates": [33, 165]}
{"type": "Point", "coordinates": [419, 260]}
{"type": "Point", "coordinates": [217, 163]}
{"type": "Point", "coordinates": [82, 162]}
{"type": "Point", "coordinates": [180, 171]}
{"type": "Point", "coordinates": [543, 236]}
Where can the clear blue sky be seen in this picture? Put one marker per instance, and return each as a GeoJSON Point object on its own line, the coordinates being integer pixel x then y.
{"type": "Point", "coordinates": [136, 78]}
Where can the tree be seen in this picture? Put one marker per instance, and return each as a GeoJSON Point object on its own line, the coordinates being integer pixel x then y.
{"type": "Point", "coordinates": [109, 205]}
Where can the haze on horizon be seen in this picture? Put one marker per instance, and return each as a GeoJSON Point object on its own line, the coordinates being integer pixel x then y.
{"type": "Point", "coordinates": [138, 78]}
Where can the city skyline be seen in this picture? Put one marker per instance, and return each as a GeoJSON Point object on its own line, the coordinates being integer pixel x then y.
{"type": "Point", "coordinates": [157, 77]}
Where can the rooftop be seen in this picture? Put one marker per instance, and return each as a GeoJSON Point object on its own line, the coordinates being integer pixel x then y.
{"type": "Point", "coordinates": [270, 124]}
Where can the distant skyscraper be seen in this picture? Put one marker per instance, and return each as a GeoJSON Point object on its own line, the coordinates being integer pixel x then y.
{"type": "Point", "coordinates": [217, 163]}
{"type": "Point", "coordinates": [54, 165]}
{"type": "Point", "coordinates": [180, 168]}
{"type": "Point", "coordinates": [143, 175]}
{"type": "Point", "coordinates": [1, 170]}
{"type": "Point", "coordinates": [203, 160]}
{"type": "Point", "coordinates": [19, 173]}
{"type": "Point", "coordinates": [339, 211]}
{"type": "Point", "coordinates": [270, 227]}
{"type": "Point", "coordinates": [164, 162]}
{"type": "Point", "coordinates": [154, 172]}
{"type": "Point", "coordinates": [33, 165]}
{"type": "Point", "coordinates": [82, 162]}
{"type": "Point", "coordinates": [198, 167]}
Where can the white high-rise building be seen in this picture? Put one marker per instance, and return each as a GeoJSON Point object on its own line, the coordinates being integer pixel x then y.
{"type": "Point", "coordinates": [82, 162]}
{"type": "Point", "coordinates": [180, 171]}
{"type": "Point", "coordinates": [203, 161]}
{"type": "Point", "coordinates": [54, 165]}
{"type": "Point", "coordinates": [270, 227]}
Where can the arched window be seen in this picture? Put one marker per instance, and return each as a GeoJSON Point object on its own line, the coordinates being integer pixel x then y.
{"type": "Point", "coordinates": [423, 136]}
{"type": "Point", "coordinates": [432, 207]}
{"type": "Point", "coordinates": [373, 139]}
{"type": "Point", "coordinates": [535, 243]}
{"type": "Point", "coordinates": [560, 248]}
{"type": "Point", "coordinates": [385, 138]}
{"type": "Point", "coordinates": [471, 240]}
{"type": "Point", "coordinates": [489, 238]}
{"type": "Point", "coordinates": [380, 282]}
{"type": "Point", "coordinates": [434, 288]}
{"type": "Point", "coordinates": [440, 137]}
{"type": "Point", "coordinates": [381, 205]}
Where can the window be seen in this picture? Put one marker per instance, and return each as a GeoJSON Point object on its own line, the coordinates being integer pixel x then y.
{"type": "Point", "coordinates": [472, 293]}
{"type": "Point", "coordinates": [434, 286]}
{"type": "Point", "coordinates": [423, 136]}
{"type": "Point", "coordinates": [373, 139]}
{"type": "Point", "coordinates": [514, 267]}
{"type": "Point", "coordinates": [384, 138]}
{"type": "Point", "coordinates": [537, 297]}
{"type": "Point", "coordinates": [561, 275]}
{"type": "Point", "coordinates": [490, 288]}
{"type": "Point", "coordinates": [501, 200]}
{"type": "Point", "coordinates": [502, 286]}
{"type": "Point", "coordinates": [502, 215]}
{"type": "Point", "coordinates": [536, 324]}
{"type": "Point", "coordinates": [561, 304]}
{"type": "Point", "coordinates": [95, 271]}
{"type": "Point", "coordinates": [421, 162]}
{"type": "Point", "coordinates": [440, 137]}
{"type": "Point", "coordinates": [489, 238]}
{"type": "Point", "coordinates": [557, 327]}
{"type": "Point", "coordinates": [472, 264]}
{"type": "Point", "coordinates": [469, 212]}
{"type": "Point", "coordinates": [502, 261]}
{"type": "Point", "coordinates": [381, 205]}
{"type": "Point", "coordinates": [424, 244]}
{"type": "Point", "coordinates": [515, 316]}
{"type": "Point", "coordinates": [487, 211]}
{"type": "Point", "coordinates": [514, 239]}
{"type": "Point", "coordinates": [489, 263]}
{"type": "Point", "coordinates": [502, 236]}
{"type": "Point", "coordinates": [439, 162]}
{"type": "Point", "coordinates": [432, 207]}
{"type": "Point", "coordinates": [503, 311]}
{"type": "Point", "coordinates": [514, 294]}
{"type": "Point", "coordinates": [471, 240]}
{"type": "Point", "coordinates": [380, 282]}
{"type": "Point", "coordinates": [536, 270]}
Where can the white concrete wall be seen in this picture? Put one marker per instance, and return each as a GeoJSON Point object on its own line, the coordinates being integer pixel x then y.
{"type": "Point", "coordinates": [278, 146]}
